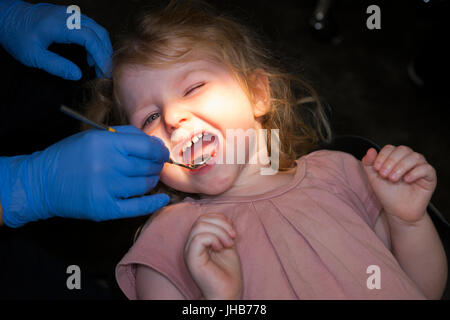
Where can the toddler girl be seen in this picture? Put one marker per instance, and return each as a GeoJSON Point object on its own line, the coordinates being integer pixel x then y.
{"type": "Point", "coordinates": [321, 225]}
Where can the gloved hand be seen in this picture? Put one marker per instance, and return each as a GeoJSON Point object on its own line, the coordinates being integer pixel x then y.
{"type": "Point", "coordinates": [26, 31]}
{"type": "Point", "coordinates": [96, 175]}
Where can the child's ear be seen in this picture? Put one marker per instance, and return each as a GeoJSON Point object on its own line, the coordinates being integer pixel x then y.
{"type": "Point", "coordinates": [260, 87]}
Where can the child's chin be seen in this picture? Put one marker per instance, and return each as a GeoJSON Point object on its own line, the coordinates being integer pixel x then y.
{"type": "Point", "coordinates": [213, 190]}
{"type": "Point", "coordinates": [211, 186]}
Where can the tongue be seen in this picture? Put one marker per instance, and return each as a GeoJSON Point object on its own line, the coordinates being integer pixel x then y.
{"type": "Point", "coordinates": [202, 148]}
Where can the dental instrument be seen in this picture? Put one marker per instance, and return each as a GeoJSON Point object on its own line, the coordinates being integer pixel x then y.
{"type": "Point", "coordinates": [194, 164]}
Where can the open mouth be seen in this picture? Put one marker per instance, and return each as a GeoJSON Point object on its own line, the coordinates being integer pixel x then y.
{"type": "Point", "coordinates": [201, 147]}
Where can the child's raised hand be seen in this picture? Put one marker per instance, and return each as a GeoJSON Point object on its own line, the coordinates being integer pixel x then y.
{"type": "Point", "coordinates": [402, 180]}
{"type": "Point", "coordinates": [212, 258]}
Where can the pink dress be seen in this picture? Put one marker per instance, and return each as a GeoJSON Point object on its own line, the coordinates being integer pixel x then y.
{"type": "Point", "coordinates": [311, 239]}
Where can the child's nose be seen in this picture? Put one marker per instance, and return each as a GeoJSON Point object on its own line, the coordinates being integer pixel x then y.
{"type": "Point", "coordinates": [174, 117]}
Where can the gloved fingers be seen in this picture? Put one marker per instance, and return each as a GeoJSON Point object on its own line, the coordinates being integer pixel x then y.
{"type": "Point", "coordinates": [136, 186]}
{"type": "Point", "coordinates": [90, 60]}
{"type": "Point", "coordinates": [87, 38]}
{"type": "Point", "coordinates": [58, 66]}
{"type": "Point", "coordinates": [142, 205]}
{"type": "Point", "coordinates": [142, 146]}
{"type": "Point", "coordinates": [101, 32]}
{"type": "Point", "coordinates": [138, 167]}
{"type": "Point", "coordinates": [91, 63]}
{"type": "Point", "coordinates": [99, 72]}
{"type": "Point", "coordinates": [127, 129]}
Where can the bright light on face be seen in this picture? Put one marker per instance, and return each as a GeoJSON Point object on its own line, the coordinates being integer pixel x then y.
{"type": "Point", "coordinates": [195, 107]}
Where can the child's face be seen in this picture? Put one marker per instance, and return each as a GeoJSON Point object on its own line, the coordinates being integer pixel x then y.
{"type": "Point", "coordinates": [180, 101]}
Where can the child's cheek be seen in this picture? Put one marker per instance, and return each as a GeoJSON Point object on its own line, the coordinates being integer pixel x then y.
{"type": "Point", "coordinates": [172, 177]}
{"type": "Point", "coordinates": [165, 173]}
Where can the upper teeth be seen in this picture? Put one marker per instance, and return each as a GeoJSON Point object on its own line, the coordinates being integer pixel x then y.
{"type": "Point", "coordinates": [194, 140]}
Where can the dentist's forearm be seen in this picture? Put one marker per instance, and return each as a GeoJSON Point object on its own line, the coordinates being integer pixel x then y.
{"type": "Point", "coordinates": [420, 253]}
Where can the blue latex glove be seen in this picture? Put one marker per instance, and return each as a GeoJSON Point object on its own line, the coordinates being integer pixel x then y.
{"type": "Point", "coordinates": [96, 175]}
{"type": "Point", "coordinates": [26, 31]}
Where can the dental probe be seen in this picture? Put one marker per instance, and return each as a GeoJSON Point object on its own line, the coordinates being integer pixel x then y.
{"type": "Point", "coordinates": [76, 115]}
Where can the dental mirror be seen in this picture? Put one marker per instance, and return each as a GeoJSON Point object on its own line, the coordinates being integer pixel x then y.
{"type": "Point", "coordinates": [194, 164]}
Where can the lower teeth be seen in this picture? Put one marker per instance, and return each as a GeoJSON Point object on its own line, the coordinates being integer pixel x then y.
{"type": "Point", "coordinates": [201, 160]}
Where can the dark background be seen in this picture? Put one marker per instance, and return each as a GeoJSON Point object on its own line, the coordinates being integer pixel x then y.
{"type": "Point", "coordinates": [361, 73]}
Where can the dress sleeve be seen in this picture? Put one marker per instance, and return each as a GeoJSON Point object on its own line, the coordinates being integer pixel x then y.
{"type": "Point", "coordinates": [160, 246]}
{"type": "Point", "coordinates": [345, 176]}
{"type": "Point", "coordinates": [358, 182]}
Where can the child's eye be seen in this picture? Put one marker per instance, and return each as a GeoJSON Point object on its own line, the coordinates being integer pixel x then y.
{"type": "Point", "coordinates": [150, 119]}
{"type": "Point", "coordinates": [193, 88]}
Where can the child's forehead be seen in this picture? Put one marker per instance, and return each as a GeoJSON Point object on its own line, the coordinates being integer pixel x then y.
{"type": "Point", "coordinates": [137, 83]}
{"type": "Point", "coordinates": [173, 71]}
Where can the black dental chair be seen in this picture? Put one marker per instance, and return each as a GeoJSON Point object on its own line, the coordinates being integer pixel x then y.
{"type": "Point", "coordinates": [358, 146]}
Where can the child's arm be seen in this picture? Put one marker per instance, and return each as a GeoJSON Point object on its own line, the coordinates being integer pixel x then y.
{"type": "Point", "coordinates": [404, 182]}
{"type": "Point", "coordinates": [152, 285]}
{"type": "Point", "coordinates": [426, 264]}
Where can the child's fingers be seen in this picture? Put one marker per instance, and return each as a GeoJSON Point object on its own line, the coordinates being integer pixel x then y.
{"type": "Point", "coordinates": [370, 157]}
{"type": "Point", "coordinates": [202, 227]}
{"type": "Point", "coordinates": [392, 159]}
{"type": "Point", "coordinates": [214, 215]}
{"type": "Point", "coordinates": [406, 164]}
{"type": "Point", "coordinates": [200, 242]}
{"type": "Point", "coordinates": [382, 156]}
{"type": "Point", "coordinates": [220, 220]}
{"type": "Point", "coordinates": [422, 171]}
